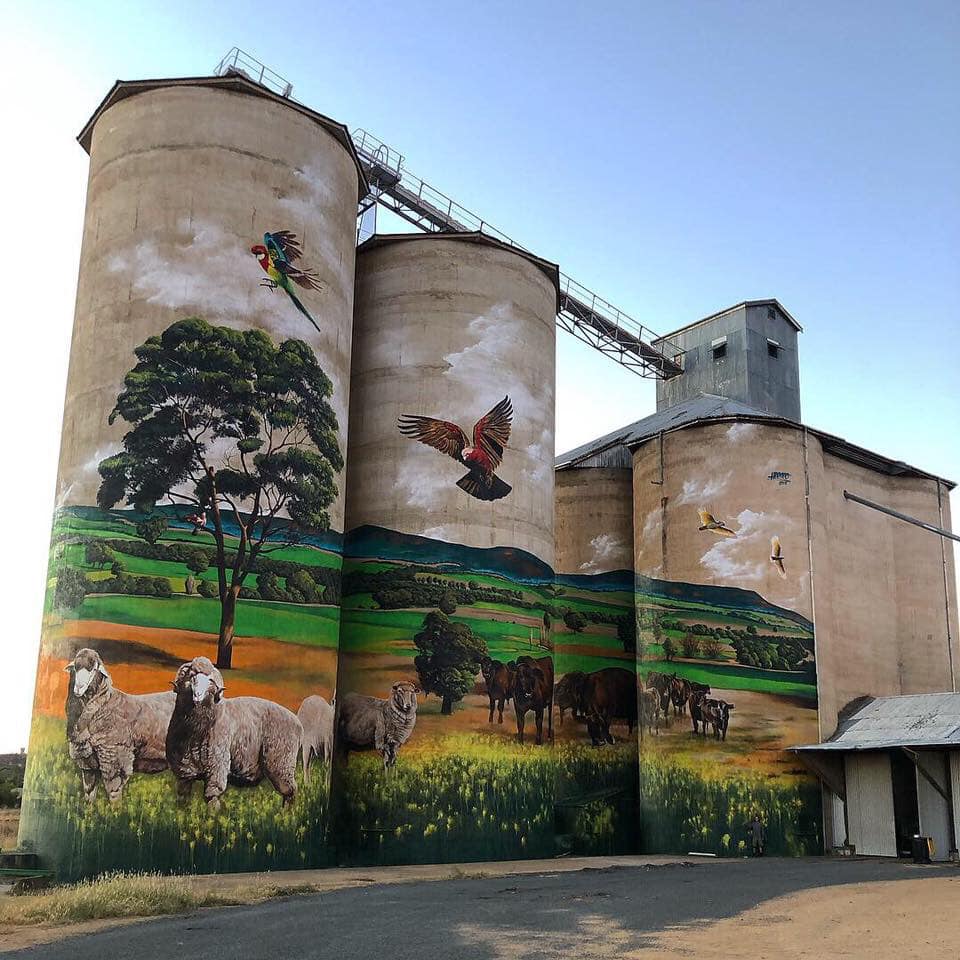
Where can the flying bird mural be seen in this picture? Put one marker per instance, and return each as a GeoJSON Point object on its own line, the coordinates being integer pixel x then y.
{"type": "Point", "coordinates": [776, 556]}
{"type": "Point", "coordinates": [276, 256]}
{"type": "Point", "coordinates": [709, 522]}
{"type": "Point", "coordinates": [481, 458]}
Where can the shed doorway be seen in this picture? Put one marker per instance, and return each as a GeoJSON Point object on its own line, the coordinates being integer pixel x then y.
{"type": "Point", "coordinates": [906, 809]}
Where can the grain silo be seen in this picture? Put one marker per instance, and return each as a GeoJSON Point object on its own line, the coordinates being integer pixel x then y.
{"type": "Point", "coordinates": [450, 547]}
{"type": "Point", "coordinates": [594, 567]}
{"type": "Point", "coordinates": [200, 491]}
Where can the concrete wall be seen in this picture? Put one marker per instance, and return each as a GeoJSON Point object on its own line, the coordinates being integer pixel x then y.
{"type": "Point", "coordinates": [881, 610]}
{"type": "Point", "coordinates": [594, 520]}
{"type": "Point", "coordinates": [747, 373]}
{"type": "Point", "coordinates": [183, 181]}
{"type": "Point", "coordinates": [446, 328]}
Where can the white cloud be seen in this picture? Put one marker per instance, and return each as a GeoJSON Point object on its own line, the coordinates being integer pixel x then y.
{"type": "Point", "coordinates": [700, 491]}
{"type": "Point", "coordinates": [650, 526]}
{"type": "Point", "coordinates": [493, 341]}
{"type": "Point", "coordinates": [609, 553]}
{"type": "Point", "coordinates": [738, 432]}
{"type": "Point", "coordinates": [745, 558]}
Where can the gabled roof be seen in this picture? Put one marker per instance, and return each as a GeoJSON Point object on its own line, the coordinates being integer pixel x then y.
{"type": "Point", "coordinates": [883, 723]}
{"type": "Point", "coordinates": [706, 407]}
{"type": "Point", "coordinates": [773, 302]}
{"type": "Point", "coordinates": [123, 89]}
{"type": "Point", "coordinates": [552, 270]}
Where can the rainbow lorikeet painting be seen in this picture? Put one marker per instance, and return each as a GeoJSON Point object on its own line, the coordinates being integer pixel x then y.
{"type": "Point", "coordinates": [276, 256]}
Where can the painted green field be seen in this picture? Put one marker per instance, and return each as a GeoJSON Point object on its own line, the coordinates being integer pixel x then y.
{"type": "Point", "coordinates": [149, 831]}
{"type": "Point", "coordinates": [292, 623]}
{"type": "Point", "coordinates": [786, 683]}
{"type": "Point", "coordinates": [684, 811]}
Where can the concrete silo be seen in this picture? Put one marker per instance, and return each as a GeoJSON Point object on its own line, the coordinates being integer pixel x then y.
{"type": "Point", "coordinates": [594, 564]}
{"type": "Point", "coordinates": [200, 491]}
{"type": "Point", "coordinates": [723, 598]}
{"type": "Point", "coordinates": [450, 545]}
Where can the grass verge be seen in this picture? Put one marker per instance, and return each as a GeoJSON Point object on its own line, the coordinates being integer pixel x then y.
{"type": "Point", "coordinates": [123, 895]}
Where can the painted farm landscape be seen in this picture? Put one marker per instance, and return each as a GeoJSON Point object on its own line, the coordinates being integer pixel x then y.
{"type": "Point", "coordinates": [463, 787]}
{"type": "Point", "coordinates": [141, 590]}
{"type": "Point", "coordinates": [700, 790]}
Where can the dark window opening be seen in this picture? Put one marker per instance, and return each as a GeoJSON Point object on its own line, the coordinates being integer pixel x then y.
{"type": "Point", "coordinates": [719, 351]}
{"type": "Point", "coordinates": [771, 313]}
{"type": "Point", "coordinates": [773, 350]}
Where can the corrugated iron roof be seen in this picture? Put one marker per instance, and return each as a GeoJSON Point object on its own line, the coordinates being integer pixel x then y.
{"type": "Point", "coordinates": [706, 407]}
{"type": "Point", "coordinates": [883, 723]}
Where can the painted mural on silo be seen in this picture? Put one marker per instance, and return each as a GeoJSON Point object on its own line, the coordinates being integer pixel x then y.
{"type": "Point", "coordinates": [183, 716]}
{"type": "Point", "coordinates": [596, 694]}
{"type": "Point", "coordinates": [726, 642]}
{"type": "Point", "coordinates": [446, 674]}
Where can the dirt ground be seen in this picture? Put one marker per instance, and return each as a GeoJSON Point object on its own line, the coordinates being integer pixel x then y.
{"type": "Point", "coordinates": [906, 919]}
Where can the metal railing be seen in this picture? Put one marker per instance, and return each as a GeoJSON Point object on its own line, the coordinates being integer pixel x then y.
{"type": "Point", "coordinates": [236, 61]}
{"type": "Point", "coordinates": [583, 313]}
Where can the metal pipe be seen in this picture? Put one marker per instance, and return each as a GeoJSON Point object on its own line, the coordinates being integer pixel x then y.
{"type": "Point", "coordinates": [901, 516]}
{"type": "Point", "coordinates": [946, 593]}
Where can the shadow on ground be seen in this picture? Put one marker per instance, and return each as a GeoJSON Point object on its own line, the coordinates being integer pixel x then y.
{"type": "Point", "coordinates": [596, 913]}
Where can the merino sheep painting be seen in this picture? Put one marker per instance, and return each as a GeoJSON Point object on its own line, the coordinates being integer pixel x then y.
{"type": "Point", "coordinates": [191, 615]}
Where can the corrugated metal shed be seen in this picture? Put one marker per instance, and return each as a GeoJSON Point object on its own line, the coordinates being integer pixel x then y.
{"type": "Point", "coordinates": [883, 723]}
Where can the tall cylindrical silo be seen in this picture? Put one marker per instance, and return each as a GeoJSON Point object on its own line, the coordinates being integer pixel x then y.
{"type": "Point", "coordinates": [595, 649]}
{"type": "Point", "coordinates": [200, 492]}
{"type": "Point", "coordinates": [449, 553]}
{"type": "Point", "coordinates": [724, 601]}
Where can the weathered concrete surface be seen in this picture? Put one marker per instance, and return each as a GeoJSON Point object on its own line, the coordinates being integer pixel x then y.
{"type": "Point", "coordinates": [796, 909]}
{"type": "Point", "coordinates": [594, 520]}
{"type": "Point", "coordinates": [183, 181]}
{"type": "Point", "coordinates": [446, 328]}
{"type": "Point", "coordinates": [881, 610]}
{"type": "Point", "coordinates": [724, 468]}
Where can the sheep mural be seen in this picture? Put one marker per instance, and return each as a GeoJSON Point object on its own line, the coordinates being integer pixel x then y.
{"type": "Point", "coordinates": [110, 733]}
{"type": "Point", "coordinates": [216, 739]}
{"type": "Point", "coordinates": [366, 723]}
{"type": "Point", "coordinates": [316, 717]}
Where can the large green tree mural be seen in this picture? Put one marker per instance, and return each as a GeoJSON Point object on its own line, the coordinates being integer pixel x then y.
{"type": "Point", "coordinates": [237, 427]}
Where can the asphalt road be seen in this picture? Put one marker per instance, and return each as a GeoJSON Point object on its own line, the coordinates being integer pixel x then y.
{"type": "Point", "coordinates": [586, 914]}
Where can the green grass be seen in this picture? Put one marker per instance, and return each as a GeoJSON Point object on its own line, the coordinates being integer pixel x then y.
{"type": "Point", "coordinates": [149, 831]}
{"type": "Point", "coordinates": [683, 811]}
{"type": "Point", "coordinates": [293, 623]}
{"type": "Point", "coordinates": [737, 678]}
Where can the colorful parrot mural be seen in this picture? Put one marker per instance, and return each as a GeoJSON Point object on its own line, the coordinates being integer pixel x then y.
{"type": "Point", "coordinates": [490, 435]}
{"type": "Point", "coordinates": [276, 256]}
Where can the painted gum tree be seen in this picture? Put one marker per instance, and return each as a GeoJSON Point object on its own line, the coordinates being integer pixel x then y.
{"type": "Point", "coordinates": [238, 428]}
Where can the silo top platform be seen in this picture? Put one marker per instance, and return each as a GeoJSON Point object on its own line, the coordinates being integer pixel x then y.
{"type": "Point", "coordinates": [123, 89]}
{"type": "Point", "coordinates": [552, 270]}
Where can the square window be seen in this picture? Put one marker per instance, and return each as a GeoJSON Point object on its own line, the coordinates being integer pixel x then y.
{"type": "Point", "coordinates": [773, 349]}
{"type": "Point", "coordinates": [719, 351]}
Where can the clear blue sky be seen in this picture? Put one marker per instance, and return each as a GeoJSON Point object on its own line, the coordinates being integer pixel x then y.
{"type": "Point", "coordinates": [675, 157]}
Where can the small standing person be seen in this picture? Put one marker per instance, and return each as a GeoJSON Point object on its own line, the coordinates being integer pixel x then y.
{"type": "Point", "coordinates": [757, 835]}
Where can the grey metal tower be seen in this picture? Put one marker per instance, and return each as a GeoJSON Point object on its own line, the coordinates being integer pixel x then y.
{"type": "Point", "coordinates": [747, 352]}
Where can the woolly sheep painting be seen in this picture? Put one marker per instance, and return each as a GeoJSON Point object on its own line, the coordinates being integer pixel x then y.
{"type": "Point", "coordinates": [195, 605]}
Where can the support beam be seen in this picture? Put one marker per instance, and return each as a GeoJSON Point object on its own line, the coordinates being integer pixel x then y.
{"type": "Point", "coordinates": [929, 527]}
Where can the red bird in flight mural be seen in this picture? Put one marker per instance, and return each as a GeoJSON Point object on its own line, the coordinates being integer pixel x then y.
{"type": "Point", "coordinates": [490, 435]}
{"type": "Point", "coordinates": [276, 256]}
